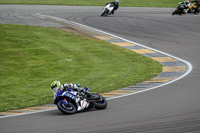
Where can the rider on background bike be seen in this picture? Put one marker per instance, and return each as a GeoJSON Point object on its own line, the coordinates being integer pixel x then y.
{"type": "Point", "coordinates": [116, 5]}
{"type": "Point", "coordinates": [56, 86]}
{"type": "Point", "coordinates": [196, 1]}
{"type": "Point", "coordinates": [186, 5]}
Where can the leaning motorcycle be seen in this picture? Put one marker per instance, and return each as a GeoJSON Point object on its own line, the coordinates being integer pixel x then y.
{"type": "Point", "coordinates": [179, 10]}
{"type": "Point", "coordinates": [70, 102]}
{"type": "Point", "coordinates": [194, 9]}
{"type": "Point", "coordinates": [107, 10]}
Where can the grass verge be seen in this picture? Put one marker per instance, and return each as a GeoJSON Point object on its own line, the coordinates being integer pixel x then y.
{"type": "Point", "coordinates": [33, 57]}
{"type": "Point", "coordinates": [126, 3]}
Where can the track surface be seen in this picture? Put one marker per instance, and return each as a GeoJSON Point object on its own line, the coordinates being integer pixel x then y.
{"type": "Point", "coordinates": [172, 108]}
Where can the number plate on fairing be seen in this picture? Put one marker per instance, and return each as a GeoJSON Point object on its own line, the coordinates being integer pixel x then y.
{"type": "Point", "coordinates": [71, 95]}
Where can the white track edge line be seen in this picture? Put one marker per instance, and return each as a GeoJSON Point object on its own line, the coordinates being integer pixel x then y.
{"type": "Point", "coordinates": [6, 116]}
{"type": "Point", "coordinates": [182, 76]}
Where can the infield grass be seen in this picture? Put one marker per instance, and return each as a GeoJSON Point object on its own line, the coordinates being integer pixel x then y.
{"type": "Point", "coordinates": [126, 3]}
{"type": "Point", "coordinates": [32, 57]}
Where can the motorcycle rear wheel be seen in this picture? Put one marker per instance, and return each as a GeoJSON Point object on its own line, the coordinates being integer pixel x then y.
{"type": "Point", "coordinates": [196, 12]}
{"type": "Point", "coordinates": [66, 109]}
{"type": "Point", "coordinates": [102, 104]}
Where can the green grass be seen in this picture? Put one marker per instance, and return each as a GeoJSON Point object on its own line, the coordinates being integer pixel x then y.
{"type": "Point", "coordinates": [33, 57]}
{"type": "Point", "coordinates": [126, 3]}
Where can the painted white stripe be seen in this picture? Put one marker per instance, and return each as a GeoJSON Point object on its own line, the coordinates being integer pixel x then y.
{"type": "Point", "coordinates": [6, 116]}
{"type": "Point", "coordinates": [189, 65]}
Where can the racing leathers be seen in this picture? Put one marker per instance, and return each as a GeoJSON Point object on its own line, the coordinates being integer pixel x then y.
{"type": "Point", "coordinates": [186, 6]}
{"type": "Point", "coordinates": [115, 4]}
{"type": "Point", "coordinates": [78, 88]}
{"type": "Point", "coordinates": [196, 1]}
{"type": "Point", "coordinates": [75, 87]}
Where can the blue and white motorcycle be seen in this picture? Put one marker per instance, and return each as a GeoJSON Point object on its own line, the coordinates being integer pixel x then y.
{"type": "Point", "coordinates": [69, 101]}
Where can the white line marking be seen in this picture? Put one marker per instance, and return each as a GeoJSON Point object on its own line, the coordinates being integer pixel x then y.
{"type": "Point", "coordinates": [6, 116]}
{"type": "Point", "coordinates": [67, 21]}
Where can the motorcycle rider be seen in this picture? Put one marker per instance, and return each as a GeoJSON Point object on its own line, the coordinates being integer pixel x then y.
{"type": "Point", "coordinates": [56, 86]}
{"type": "Point", "coordinates": [116, 5]}
{"type": "Point", "coordinates": [186, 5]}
{"type": "Point", "coordinates": [196, 1]}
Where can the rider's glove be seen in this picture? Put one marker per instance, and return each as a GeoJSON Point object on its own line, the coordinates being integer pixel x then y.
{"type": "Point", "coordinates": [86, 88]}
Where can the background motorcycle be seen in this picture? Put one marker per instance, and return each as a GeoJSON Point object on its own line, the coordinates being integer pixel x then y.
{"type": "Point", "coordinates": [107, 10]}
{"type": "Point", "coordinates": [66, 101]}
{"type": "Point", "coordinates": [193, 9]}
{"type": "Point", "coordinates": [179, 10]}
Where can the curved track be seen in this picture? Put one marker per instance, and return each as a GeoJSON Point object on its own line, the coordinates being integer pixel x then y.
{"type": "Point", "coordinates": [171, 108]}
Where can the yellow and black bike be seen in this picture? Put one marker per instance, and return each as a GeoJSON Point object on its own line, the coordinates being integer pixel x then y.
{"type": "Point", "coordinates": [194, 9]}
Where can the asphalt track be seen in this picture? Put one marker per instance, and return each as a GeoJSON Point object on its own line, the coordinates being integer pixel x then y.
{"type": "Point", "coordinates": [174, 108]}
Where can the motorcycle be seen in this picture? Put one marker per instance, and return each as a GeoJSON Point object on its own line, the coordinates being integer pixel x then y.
{"type": "Point", "coordinates": [193, 9]}
{"type": "Point", "coordinates": [107, 10]}
{"type": "Point", "coordinates": [180, 9]}
{"type": "Point", "coordinates": [70, 102]}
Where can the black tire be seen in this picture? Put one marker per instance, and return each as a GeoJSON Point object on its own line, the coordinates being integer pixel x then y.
{"type": "Point", "coordinates": [69, 109]}
{"type": "Point", "coordinates": [196, 12]}
{"type": "Point", "coordinates": [102, 104]}
{"type": "Point", "coordinates": [175, 12]}
{"type": "Point", "coordinates": [102, 14]}
{"type": "Point", "coordinates": [91, 105]}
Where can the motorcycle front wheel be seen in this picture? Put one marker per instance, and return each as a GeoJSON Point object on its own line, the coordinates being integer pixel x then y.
{"type": "Point", "coordinates": [66, 109]}
{"type": "Point", "coordinates": [175, 12]}
{"type": "Point", "coordinates": [105, 13]}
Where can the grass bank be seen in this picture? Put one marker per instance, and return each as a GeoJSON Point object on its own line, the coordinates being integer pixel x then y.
{"type": "Point", "coordinates": [126, 3]}
{"type": "Point", "coordinates": [33, 57]}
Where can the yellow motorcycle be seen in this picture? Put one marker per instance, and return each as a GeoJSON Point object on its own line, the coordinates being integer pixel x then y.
{"type": "Point", "coordinates": [193, 9]}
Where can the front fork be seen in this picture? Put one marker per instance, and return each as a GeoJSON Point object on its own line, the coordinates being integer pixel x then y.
{"type": "Point", "coordinates": [64, 101]}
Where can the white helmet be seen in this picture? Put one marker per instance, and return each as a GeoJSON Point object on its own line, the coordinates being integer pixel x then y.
{"type": "Point", "coordinates": [71, 86]}
{"type": "Point", "coordinates": [187, 1]}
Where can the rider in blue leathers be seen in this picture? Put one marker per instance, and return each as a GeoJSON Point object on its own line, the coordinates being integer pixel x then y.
{"type": "Point", "coordinates": [56, 86]}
